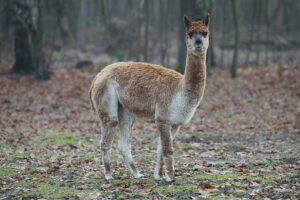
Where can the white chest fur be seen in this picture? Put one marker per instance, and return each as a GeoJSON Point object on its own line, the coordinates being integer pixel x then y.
{"type": "Point", "coordinates": [182, 109]}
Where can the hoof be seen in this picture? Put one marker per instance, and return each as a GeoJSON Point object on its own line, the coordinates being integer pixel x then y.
{"type": "Point", "coordinates": [169, 180]}
{"type": "Point", "coordinates": [138, 175]}
{"type": "Point", "coordinates": [157, 177]}
{"type": "Point", "coordinates": [108, 177]}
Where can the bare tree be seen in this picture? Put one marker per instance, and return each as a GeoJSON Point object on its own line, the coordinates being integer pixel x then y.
{"type": "Point", "coordinates": [187, 7]}
{"type": "Point", "coordinates": [236, 39]}
{"type": "Point", "coordinates": [28, 35]}
{"type": "Point", "coordinates": [146, 34]}
{"type": "Point", "coordinates": [145, 30]}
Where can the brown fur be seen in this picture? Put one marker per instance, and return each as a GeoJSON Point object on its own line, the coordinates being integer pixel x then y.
{"type": "Point", "coordinates": [124, 90]}
{"type": "Point", "coordinates": [198, 26]}
{"type": "Point", "coordinates": [138, 85]}
{"type": "Point", "coordinates": [195, 76]}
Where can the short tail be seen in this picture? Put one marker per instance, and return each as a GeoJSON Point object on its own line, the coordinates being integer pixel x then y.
{"type": "Point", "coordinates": [90, 96]}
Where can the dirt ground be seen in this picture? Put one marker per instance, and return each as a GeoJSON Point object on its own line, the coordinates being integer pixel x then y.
{"type": "Point", "coordinates": [242, 143]}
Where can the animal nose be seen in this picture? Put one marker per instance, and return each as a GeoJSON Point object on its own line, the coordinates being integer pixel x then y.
{"type": "Point", "coordinates": [198, 41]}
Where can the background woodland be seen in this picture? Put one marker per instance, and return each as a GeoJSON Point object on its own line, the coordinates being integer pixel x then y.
{"type": "Point", "coordinates": [242, 143]}
{"type": "Point", "coordinates": [98, 32]}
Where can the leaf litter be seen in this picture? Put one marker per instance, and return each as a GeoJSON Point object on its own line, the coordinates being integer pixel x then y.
{"type": "Point", "coordinates": [242, 143]}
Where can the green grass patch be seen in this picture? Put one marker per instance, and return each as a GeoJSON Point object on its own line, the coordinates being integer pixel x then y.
{"type": "Point", "coordinates": [49, 189]}
{"type": "Point", "coordinates": [204, 175]}
{"type": "Point", "coordinates": [234, 148]}
{"type": "Point", "coordinates": [17, 153]}
{"type": "Point", "coordinates": [61, 138]}
{"type": "Point", "coordinates": [8, 171]}
{"type": "Point", "coordinates": [176, 188]}
{"type": "Point", "coordinates": [290, 160]}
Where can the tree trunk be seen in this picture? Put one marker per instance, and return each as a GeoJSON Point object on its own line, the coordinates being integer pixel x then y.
{"type": "Point", "coordinates": [211, 56]}
{"type": "Point", "coordinates": [252, 30]}
{"type": "Point", "coordinates": [258, 22]}
{"type": "Point", "coordinates": [236, 39]}
{"type": "Point", "coordinates": [224, 29]}
{"type": "Point", "coordinates": [163, 22]}
{"type": "Point", "coordinates": [146, 34]}
{"type": "Point", "coordinates": [187, 7]}
{"type": "Point", "coordinates": [29, 55]}
{"type": "Point", "coordinates": [62, 21]}
{"type": "Point", "coordinates": [23, 55]}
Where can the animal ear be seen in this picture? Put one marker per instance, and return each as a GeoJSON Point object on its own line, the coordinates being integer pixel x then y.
{"type": "Point", "coordinates": [206, 19]}
{"type": "Point", "coordinates": [187, 22]}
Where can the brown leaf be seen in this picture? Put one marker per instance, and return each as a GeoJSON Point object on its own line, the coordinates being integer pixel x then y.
{"type": "Point", "coordinates": [88, 160]}
{"type": "Point", "coordinates": [243, 170]}
{"type": "Point", "coordinates": [207, 186]}
{"type": "Point", "coordinates": [118, 185]}
{"type": "Point", "coordinates": [53, 170]}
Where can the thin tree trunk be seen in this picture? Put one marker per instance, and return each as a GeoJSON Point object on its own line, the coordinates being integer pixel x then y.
{"type": "Point", "coordinates": [83, 15]}
{"type": "Point", "coordinates": [236, 39]}
{"type": "Point", "coordinates": [163, 30]}
{"type": "Point", "coordinates": [146, 34]}
{"type": "Point", "coordinates": [187, 7]}
{"type": "Point", "coordinates": [268, 31]}
{"type": "Point", "coordinates": [252, 30]}
{"type": "Point", "coordinates": [258, 22]}
{"type": "Point", "coordinates": [224, 29]}
{"type": "Point", "coordinates": [211, 57]}
{"type": "Point", "coordinates": [62, 21]}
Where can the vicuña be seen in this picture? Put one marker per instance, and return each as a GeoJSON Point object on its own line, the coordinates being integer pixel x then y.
{"type": "Point", "coordinates": [125, 90]}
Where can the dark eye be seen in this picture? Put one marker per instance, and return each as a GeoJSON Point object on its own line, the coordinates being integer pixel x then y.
{"type": "Point", "coordinates": [190, 34]}
{"type": "Point", "coordinates": [204, 34]}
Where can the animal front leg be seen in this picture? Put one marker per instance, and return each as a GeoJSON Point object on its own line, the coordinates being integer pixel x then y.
{"type": "Point", "coordinates": [158, 171]}
{"type": "Point", "coordinates": [167, 149]}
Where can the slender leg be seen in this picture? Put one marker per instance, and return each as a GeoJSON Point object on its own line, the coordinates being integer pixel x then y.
{"type": "Point", "coordinates": [167, 149]}
{"type": "Point", "coordinates": [105, 103]}
{"type": "Point", "coordinates": [125, 124]}
{"type": "Point", "coordinates": [108, 130]}
{"type": "Point", "coordinates": [174, 130]}
{"type": "Point", "coordinates": [158, 171]}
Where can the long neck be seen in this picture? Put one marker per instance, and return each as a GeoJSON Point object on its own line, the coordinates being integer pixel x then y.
{"type": "Point", "coordinates": [195, 75]}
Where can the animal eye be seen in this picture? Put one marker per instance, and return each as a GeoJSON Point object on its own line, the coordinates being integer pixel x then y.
{"type": "Point", "coordinates": [204, 33]}
{"type": "Point", "coordinates": [190, 34]}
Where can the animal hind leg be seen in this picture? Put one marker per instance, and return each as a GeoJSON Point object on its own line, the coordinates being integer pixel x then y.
{"type": "Point", "coordinates": [107, 109]}
{"type": "Point", "coordinates": [125, 124]}
{"type": "Point", "coordinates": [108, 131]}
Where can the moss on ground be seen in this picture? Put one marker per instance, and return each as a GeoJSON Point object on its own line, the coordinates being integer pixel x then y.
{"type": "Point", "coordinates": [216, 176]}
{"type": "Point", "coordinates": [8, 171]}
{"type": "Point", "coordinates": [176, 188]}
{"type": "Point", "coordinates": [49, 191]}
{"type": "Point", "coordinates": [76, 178]}
{"type": "Point", "coordinates": [60, 138]}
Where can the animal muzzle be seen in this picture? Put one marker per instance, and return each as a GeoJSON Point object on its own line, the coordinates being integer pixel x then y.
{"type": "Point", "coordinates": [198, 41]}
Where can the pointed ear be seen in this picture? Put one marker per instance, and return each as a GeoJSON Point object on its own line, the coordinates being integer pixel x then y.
{"type": "Point", "coordinates": [206, 19]}
{"type": "Point", "coordinates": [187, 22]}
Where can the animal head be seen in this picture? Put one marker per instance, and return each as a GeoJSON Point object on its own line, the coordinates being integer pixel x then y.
{"type": "Point", "coordinates": [197, 34]}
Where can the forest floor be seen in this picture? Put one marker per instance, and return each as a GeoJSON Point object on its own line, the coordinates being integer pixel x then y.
{"type": "Point", "coordinates": [242, 143]}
